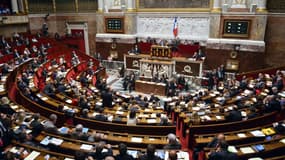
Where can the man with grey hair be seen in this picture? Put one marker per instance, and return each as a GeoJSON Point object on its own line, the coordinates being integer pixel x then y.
{"type": "Point", "coordinates": [49, 125]}
{"type": "Point", "coordinates": [172, 142]}
{"type": "Point", "coordinates": [5, 106]}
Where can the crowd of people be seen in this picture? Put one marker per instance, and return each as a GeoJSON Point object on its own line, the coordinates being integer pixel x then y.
{"type": "Point", "coordinates": [31, 125]}
{"type": "Point", "coordinates": [82, 98]}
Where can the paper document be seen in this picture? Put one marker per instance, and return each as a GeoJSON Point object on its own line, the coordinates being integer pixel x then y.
{"type": "Point", "coordinates": [45, 141]}
{"type": "Point", "coordinates": [257, 133]}
{"type": "Point", "coordinates": [151, 121]}
{"type": "Point", "coordinates": [32, 155]}
{"type": "Point", "coordinates": [136, 139]}
{"type": "Point", "coordinates": [56, 141]}
{"type": "Point", "coordinates": [241, 135]}
{"type": "Point", "coordinates": [246, 150]}
{"type": "Point", "coordinates": [232, 149]}
{"type": "Point", "coordinates": [86, 147]}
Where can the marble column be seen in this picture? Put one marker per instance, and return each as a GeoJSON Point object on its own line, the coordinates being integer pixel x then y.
{"type": "Point", "coordinates": [261, 5]}
{"type": "Point", "coordinates": [131, 5]}
{"type": "Point", "coordinates": [100, 5]}
{"type": "Point", "coordinates": [26, 6]}
{"type": "Point", "coordinates": [216, 6]}
{"type": "Point", "coordinates": [54, 6]}
{"type": "Point", "coordinates": [76, 6]}
{"type": "Point", "coordinates": [15, 8]}
{"type": "Point", "coordinates": [21, 6]}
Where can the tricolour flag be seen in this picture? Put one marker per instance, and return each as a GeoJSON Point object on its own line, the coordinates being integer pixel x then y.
{"type": "Point", "coordinates": [175, 27]}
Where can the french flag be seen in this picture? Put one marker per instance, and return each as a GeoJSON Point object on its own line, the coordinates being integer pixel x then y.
{"type": "Point", "coordinates": [175, 27]}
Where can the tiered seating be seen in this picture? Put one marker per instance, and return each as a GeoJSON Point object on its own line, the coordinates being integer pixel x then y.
{"type": "Point", "coordinates": [140, 139]}
{"type": "Point", "coordinates": [193, 132]}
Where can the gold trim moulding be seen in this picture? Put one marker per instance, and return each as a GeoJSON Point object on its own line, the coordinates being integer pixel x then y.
{"type": "Point", "coordinates": [100, 10]}
{"type": "Point", "coordinates": [263, 10]}
{"type": "Point", "coordinates": [131, 9]}
{"type": "Point", "coordinates": [173, 9]}
{"type": "Point", "coordinates": [216, 10]}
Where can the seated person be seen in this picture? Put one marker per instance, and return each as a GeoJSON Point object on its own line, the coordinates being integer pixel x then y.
{"type": "Point", "coordinates": [199, 55]}
{"type": "Point", "coordinates": [164, 121]}
{"type": "Point", "coordinates": [49, 125]}
{"type": "Point", "coordinates": [99, 154]}
{"type": "Point", "coordinates": [150, 154]}
{"type": "Point", "coordinates": [78, 134]}
{"type": "Point", "coordinates": [136, 49]}
{"type": "Point", "coordinates": [172, 155]}
{"type": "Point", "coordinates": [272, 104]}
{"type": "Point", "coordinates": [253, 113]}
{"type": "Point", "coordinates": [221, 152]}
{"type": "Point", "coordinates": [172, 142]}
{"type": "Point", "coordinates": [234, 115]}
{"type": "Point", "coordinates": [279, 127]}
{"type": "Point", "coordinates": [109, 158]}
{"type": "Point", "coordinates": [5, 106]}
{"type": "Point", "coordinates": [123, 155]}
{"type": "Point", "coordinates": [49, 89]}
{"type": "Point", "coordinates": [100, 116]}
{"type": "Point", "coordinates": [5, 68]}
{"type": "Point", "coordinates": [215, 141]}
{"type": "Point", "coordinates": [36, 125]}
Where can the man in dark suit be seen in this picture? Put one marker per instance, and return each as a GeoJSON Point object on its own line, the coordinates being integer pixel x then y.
{"type": "Point", "coordinates": [107, 98]}
{"type": "Point", "coordinates": [234, 115]}
{"type": "Point", "coordinates": [273, 104]}
{"type": "Point", "coordinates": [16, 54]}
{"type": "Point", "coordinates": [150, 153]}
{"type": "Point", "coordinates": [99, 154]}
{"type": "Point", "coordinates": [136, 50]}
{"type": "Point", "coordinates": [222, 153]}
{"type": "Point", "coordinates": [5, 68]}
{"type": "Point", "coordinates": [100, 116]}
{"type": "Point", "coordinates": [279, 83]}
{"type": "Point", "coordinates": [215, 141]}
{"type": "Point", "coordinates": [5, 106]}
{"type": "Point", "coordinates": [83, 103]}
{"type": "Point", "coordinates": [49, 89]}
{"type": "Point", "coordinates": [123, 153]}
{"type": "Point", "coordinates": [21, 84]}
{"type": "Point", "coordinates": [36, 125]}
{"type": "Point", "coordinates": [172, 142]}
{"type": "Point", "coordinates": [252, 113]}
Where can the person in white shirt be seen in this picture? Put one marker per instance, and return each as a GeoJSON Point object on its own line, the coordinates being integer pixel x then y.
{"type": "Point", "coordinates": [27, 52]}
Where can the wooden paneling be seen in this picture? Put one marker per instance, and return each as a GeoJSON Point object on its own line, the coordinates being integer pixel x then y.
{"type": "Point", "coordinates": [276, 6]}
{"type": "Point", "coordinates": [104, 49]}
{"type": "Point", "coordinates": [248, 60]}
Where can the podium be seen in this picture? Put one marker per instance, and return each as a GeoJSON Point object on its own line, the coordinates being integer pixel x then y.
{"type": "Point", "coordinates": [153, 67]}
{"type": "Point", "coordinates": [160, 51]}
{"type": "Point", "coordinates": [179, 65]}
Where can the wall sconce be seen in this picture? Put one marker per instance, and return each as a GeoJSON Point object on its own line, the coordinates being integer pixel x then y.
{"type": "Point", "coordinates": [236, 47]}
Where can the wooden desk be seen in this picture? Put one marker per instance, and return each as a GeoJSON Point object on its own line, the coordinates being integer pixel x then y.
{"type": "Point", "coordinates": [183, 66]}
{"type": "Point", "coordinates": [43, 152]}
{"type": "Point", "coordinates": [150, 87]}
